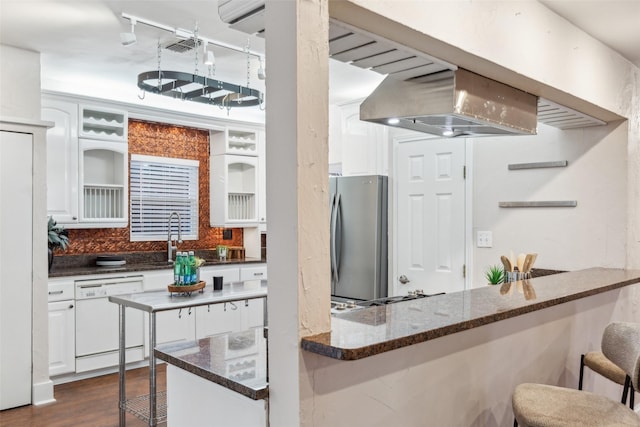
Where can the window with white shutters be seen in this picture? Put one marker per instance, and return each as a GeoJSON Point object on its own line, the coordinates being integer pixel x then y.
{"type": "Point", "coordinates": [160, 186]}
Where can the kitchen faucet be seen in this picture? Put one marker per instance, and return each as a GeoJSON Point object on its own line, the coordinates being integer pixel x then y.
{"type": "Point", "coordinates": [170, 245]}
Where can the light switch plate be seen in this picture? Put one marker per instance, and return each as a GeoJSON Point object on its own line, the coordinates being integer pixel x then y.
{"type": "Point", "coordinates": [484, 239]}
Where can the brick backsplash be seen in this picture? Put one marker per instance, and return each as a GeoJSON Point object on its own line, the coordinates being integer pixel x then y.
{"type": "Point", "coordinates": [158, 139]}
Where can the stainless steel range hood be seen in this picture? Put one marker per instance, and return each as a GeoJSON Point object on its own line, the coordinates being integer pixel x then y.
{"type": "Point", "coordinates": [452, 103]}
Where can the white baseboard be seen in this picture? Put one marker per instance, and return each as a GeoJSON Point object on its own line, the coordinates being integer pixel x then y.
{"type": "Point", "coordinates": [42, 393]}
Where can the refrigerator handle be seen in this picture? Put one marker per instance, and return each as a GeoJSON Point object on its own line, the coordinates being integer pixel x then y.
{"type": "Point", "coordinates": [337, 242]}
{"type": "Point", "coordinates": [332, 231]}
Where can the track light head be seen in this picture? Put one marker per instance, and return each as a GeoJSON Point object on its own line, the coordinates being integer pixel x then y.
{"type": "Point", "coordinates": [210, 58]}
{"type": "Point", "coordinates": [261, 73]}
{"type": "Point", "coordinates": [127, 39]}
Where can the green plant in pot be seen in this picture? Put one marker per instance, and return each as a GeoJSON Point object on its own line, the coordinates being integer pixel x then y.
{"type": "Point", "coordinates": [58, 238]}
{"type": "Point", "coordinates": [494, 275]}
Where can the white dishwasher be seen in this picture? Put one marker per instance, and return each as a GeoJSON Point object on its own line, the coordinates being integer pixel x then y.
{"type": "Point", "coordinates": [97, 323]}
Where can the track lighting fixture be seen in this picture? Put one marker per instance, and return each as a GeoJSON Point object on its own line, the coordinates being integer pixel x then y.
{"type": "Point", "coordinates": [261, 74]}
{"type": "Point", "coordinates": [127, 39]}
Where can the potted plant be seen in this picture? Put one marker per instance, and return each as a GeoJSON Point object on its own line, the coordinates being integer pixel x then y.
{"type": "Point", "coordinates": [494, 274]}
{"type": "Point", "coordinates": [58, 238]}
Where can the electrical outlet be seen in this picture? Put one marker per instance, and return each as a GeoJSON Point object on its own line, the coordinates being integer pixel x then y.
{"type": "Point", "coordinates": [484, 239]}
{"type": "Point", "coordinates": [227, 234]}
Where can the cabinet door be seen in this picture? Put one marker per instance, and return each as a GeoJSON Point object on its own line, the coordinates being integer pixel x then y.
{"type": "Point", "coordinates": [262, 182]}
{"type": "Point", "coordinates": [363, 144]}
{"type": "Point", "coordinates": [218, 318]}
{"type": "Point", "coordinates": [62, 342]}
{"type": "Point", "coordinates": [172, 326]}
{"type": "Point", "coordinates": [62, 160]}
{"type": "Point", "coordinates": [229, 274]}
{"type": "Point", "coordinates": [253, 313]}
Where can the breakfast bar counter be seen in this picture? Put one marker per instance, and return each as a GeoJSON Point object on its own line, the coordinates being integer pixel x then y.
{"type": "Point", "coordinates": [455, 359]}
{"type": "Point", "coordinates": [370, 331]}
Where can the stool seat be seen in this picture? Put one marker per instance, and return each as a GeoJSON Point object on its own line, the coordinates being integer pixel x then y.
{"type": "Point", "coordinates": [598, 362]}
{"type": "Point", "coordinates": [540, 405]}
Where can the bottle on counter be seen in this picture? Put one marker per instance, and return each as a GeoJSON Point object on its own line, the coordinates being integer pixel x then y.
{"type": "Point", "coordinates": [184, 269]}
{"type": "Point", "coordinates": [177, 269]}
{"type": "Point", "coordinates": [193, 270]}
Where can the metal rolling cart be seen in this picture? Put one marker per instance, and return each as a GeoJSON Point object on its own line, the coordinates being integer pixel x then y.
{"type": "Point", "coordinates": [152, 408]}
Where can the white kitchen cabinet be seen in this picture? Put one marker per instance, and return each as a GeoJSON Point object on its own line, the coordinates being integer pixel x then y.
{"type": "Point", "coordinates": [234, 186]}
{"type": "Point", "coordinates": [255, 272]}
{"type": "Point", "coordinates": [173, 325]}
{"type": "Point", "coordinates": [363, 144]}
{"type": "Point", "coordinates": [262, 182]}
{"type": "Point", "coordinates": [62, 334]}
{"type": "Point", "coordinates": [229, 274]}
{"type": "Point", "coordinates": [230, 317]}
{"type": "Point", "coordinates": [239, 141]}
{"type": "Point", "coordinates": [97, 122]}
{"type": "Point", "coordinates": [104, 175]}
{"type": "Point", "coordinates": [184, 325]}
{"type": "Point", "coordinates": [87, 164]}
{"type": "Point", "coordinates": [62, 160]}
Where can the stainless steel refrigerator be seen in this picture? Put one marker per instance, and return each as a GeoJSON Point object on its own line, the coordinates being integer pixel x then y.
{"type": "Point", "coordinates": [358, 215]}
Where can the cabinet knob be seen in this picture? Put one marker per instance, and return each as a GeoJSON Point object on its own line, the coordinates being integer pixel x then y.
{"type": "Point", "coordinates": [74, 218]}
{"type": "Point", "coordinates": [70, 305]}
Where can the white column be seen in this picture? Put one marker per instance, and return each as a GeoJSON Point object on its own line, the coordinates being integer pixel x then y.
{"type": "Point", "coordinates": [297, 198]}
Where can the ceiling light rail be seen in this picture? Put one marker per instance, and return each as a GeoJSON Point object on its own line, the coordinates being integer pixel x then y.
{"type": "Point", "coordinates": [186, 34]}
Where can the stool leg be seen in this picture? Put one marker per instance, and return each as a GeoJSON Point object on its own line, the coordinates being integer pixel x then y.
{"type": "Point", "coordinates": [625, 389]}
{"type": "Point", "coordinates": [581, 372]}
{"type": "Point", "coordinates": [632, 397]}
{"type": "Point", "coordinates": [515, 423]}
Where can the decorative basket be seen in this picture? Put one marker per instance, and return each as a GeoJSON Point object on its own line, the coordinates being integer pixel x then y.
{"type": "Point", "coordinates": [188, 288]}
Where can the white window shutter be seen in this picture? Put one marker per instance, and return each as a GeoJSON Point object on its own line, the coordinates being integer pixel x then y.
{"type": "Point", "coordinates": [159, 186]}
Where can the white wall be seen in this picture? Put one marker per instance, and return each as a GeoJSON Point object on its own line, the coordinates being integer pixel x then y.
{"type": "Point", "coordinates": [528, 46]}
{"type": "Point", "coordinates": [19, 83]}
{"type": "Point", "coordinates": [591, 235]}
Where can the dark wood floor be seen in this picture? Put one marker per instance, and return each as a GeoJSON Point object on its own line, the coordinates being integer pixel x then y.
{"type": "Point", "coordinates": [87, 403]}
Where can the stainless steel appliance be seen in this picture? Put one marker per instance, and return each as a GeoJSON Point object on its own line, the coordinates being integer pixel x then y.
{"type": "Point", "coordinates": [97, 338]}
{"type": "Point", "coordinates": [358, 215]}
{"type": "Point", "coordinates": [412, 295]}
{"type": "Point", "coordinates": [452, 103]}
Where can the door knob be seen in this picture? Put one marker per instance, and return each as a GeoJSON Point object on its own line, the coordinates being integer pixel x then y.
{"type": "Point", "coordinates": [403, 279]}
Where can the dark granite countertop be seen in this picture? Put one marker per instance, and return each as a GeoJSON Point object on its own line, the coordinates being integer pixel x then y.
{"type": "Point", "coordinates": [370, 331]}
{"type": "Point", "coordinates": [80, 265]}
{"type": "Point", "coordinates": [235, 360]}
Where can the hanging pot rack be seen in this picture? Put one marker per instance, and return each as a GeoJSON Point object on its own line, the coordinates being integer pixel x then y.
{"type": "Point", "coordinates": [192, 87]}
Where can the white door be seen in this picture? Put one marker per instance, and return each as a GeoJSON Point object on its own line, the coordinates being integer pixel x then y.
{"type": "Point", "coordinates": [16, 223]}
{"type": "Point", "coordinates": [430, 216]}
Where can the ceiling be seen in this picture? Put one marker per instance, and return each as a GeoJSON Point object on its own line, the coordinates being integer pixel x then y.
{"type": "Point", "coordinates": [79, 39]}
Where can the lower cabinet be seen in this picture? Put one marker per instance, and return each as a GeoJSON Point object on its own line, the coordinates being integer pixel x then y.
{"type": "Point", "coordinates": [62, 327]}
{"type": "Point", "coordinates": [228, 317]}
{"type": "Point", "coordinates": [200, 322]}
{"type": "Point", "coordinates": [62, 340]}
{"type": "Point", "coordinates": [171, 326]}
